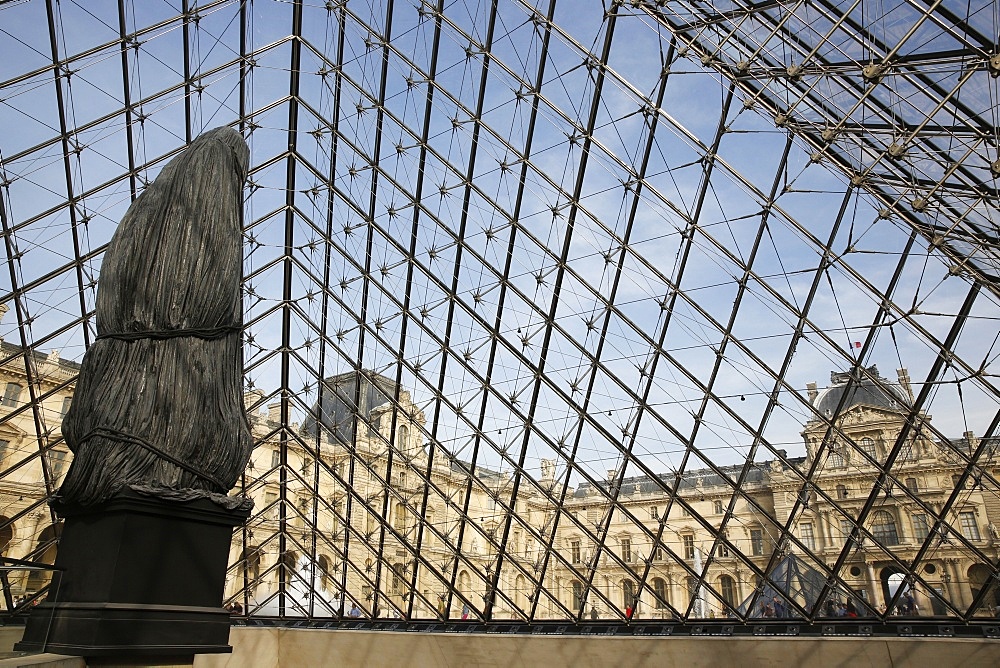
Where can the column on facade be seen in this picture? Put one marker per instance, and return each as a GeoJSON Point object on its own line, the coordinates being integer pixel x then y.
{"type": "Point", "coordinates": [738, 575]}
{"type": "Point", "coordinates": [957, 586]}
{"type": "Point", "coordinates": [678, 596]}
{"type": "Point", "coordinates": [827, 529]}
{"type": "Point", "coordinates": [874, 586]}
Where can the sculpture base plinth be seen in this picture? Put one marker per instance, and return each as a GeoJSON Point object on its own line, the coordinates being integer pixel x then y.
{"type": "Point", "coordinates": [141, 577]}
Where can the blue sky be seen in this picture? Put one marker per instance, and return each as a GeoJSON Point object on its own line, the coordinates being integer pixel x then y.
{"type": "Point", "coordinates": [664, 250]}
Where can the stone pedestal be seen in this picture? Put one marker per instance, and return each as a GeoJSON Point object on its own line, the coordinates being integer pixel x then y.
{"type": "Point", "coordinates": [141, 577]}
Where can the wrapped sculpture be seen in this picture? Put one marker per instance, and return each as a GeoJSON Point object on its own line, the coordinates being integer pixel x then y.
{"type": "Point", "coordinates": [158, 407]}
{"type": "Point", "coordinates": [158, 427]}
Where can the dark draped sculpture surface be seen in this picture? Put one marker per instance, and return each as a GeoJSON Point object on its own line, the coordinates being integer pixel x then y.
{"type": "Point", "coordinates": [158, 406]}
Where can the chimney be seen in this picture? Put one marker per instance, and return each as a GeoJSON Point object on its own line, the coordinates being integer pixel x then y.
{"type": "Point", "coordinates": [904, 380]}
{"type": "Point", "coordinates": [252, 397]}
{"type": "Point", "coordinates": [971, 441]}
{"type": "Point", "coordinates": [813, 393]}
{"type": "Point", "coordinates": [274, 412]}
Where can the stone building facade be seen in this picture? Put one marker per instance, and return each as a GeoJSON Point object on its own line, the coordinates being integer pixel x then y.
{"type": "Point", "coordinates": [438, 553]}
{"type": "Point", "coordinates": [33, 458]}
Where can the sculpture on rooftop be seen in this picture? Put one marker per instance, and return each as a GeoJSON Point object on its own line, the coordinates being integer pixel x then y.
{"type": "Point", "coordinates": [158, 406]}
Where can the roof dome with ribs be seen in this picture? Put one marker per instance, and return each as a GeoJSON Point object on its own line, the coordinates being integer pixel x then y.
{"type": "Point", "coordinates": [861, 388]}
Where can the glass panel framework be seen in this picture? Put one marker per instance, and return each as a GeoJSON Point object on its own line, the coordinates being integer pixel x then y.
{"type": "Point", "coordinates": [541, 298]}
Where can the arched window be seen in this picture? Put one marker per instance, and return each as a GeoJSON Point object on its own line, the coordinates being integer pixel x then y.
{"type": "Point", "coordinates": [884, 528]}
{"type": "Point", "coordinates": [249, 571]}
{"type": "Point", "coordinates": [727, 586]}
{"type": "Point", "coordinates": [289, 559]}
{"type": "Point", "coordinates": [577, 595]}
{"type": "Point", "coordinates": [11, 394]}
{"type": "Point", "coordinates": [398, 579]}
{"type": "Point", "coordinates": [464, 583]}
{"type": "Point", "coordinates": [45, 552]}
{"type": "Point", "coordinates": [660, 593]}
{"type": "Point", "coordinates": [403, 438]}
{"type": "Point", "coordinates": [6, 534]}
{"type": "Point", "coordinates": [323, 564]}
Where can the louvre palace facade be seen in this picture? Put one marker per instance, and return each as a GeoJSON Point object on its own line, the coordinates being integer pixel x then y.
{"type": "Point", "coordinates": [324, 550]}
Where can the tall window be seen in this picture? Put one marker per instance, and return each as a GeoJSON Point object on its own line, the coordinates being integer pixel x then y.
{"type": "Point", "coordinates": [906, 453]}
{"type": "Point", "coordinates": [324, 570]}
{"type": "Point", "coordinates": [723, 548]}
{"type": "Point", "coordinates": [11, 394]}
{"type": "Point", "coordinates": [275, 458]}
{"type": "Point", "coordinates": [57, 462]}
{"type": "Point", "coordinates": [846, 528]}
{"type": "Point", "coordinates": [757, 542]}
{"type": "Point", "coordinates": [398, 579]}
{"type": "Point", "coordinates": [629, 598]}
{"type": "Point", "coordinates": [249, 566]}
{"type": "Point", "coordinates": [575, 551]}
{"type": "Point", "coordinates": [841, 492]}
{"type": "Point", "coordinates": [837, 459]}
{"type": "Point", "coordinates": [807, 536]}
{"type": "Point", "coordinates": [520, 592]}
{"type": "Point", "coordinates": [627, 550]}
{"type": "Point", "coordinates": [271, 505]}
{"type": "Point", "coordinates": [920, 528]}
{"type": "Point", "coordinates": [403, 438]}
{"type": "Point", "coordinates": [912, 485]}
{"type": "Point", "coordinates": [867, 446]}
{"type": "Point", "coordinates": [660, 593]}
{"type": "Point", "coordinates": [728, 588]}
{"type": "Point", "coordinates": [577, 595]}
{"type": "Point", "coordinates": [303, 503]}
{"type": "Point", "coordinates": [688, 546]}
{"type": "Point", "coordinates": [338, 512]}
{"type": "Point", "coordinates": [3, 450]}
{"type": "Point", "coordinates": [884, 528]}
{"type": "Point", "coordinates": [654, 513]}
{"type": "Point", "coordinates": [66, 403]}
{"type": "Point", "coordinates": [967, 521]}
{"type": "Point", "coordinates": [692, 586]}
{"type": "Point", "coordinates": [718, 508]}
{"type": "Point", "coordinates": [429, 536]}
{"type": "Point", "coordinates": [400, 522]}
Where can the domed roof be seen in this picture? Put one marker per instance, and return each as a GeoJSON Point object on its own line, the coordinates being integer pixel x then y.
{"type": "Point", "coordinates": [861, 389]}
